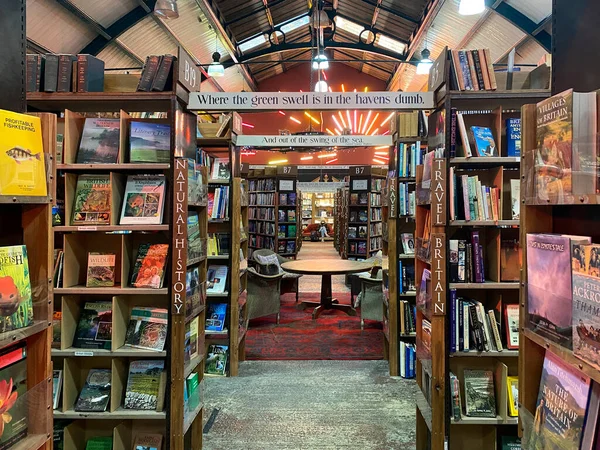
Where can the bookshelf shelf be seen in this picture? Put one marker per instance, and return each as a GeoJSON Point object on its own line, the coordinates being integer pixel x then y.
{"type": "Point", "coordinates": [100, 101]}
{"type": "Point", "coordinates": [110, 228]}
{"type": "Point", "coordinates": [10, 337]}
{"type": "Point", "coordinates": [23, 200]}
{"type": "Point", "coordinates": [217, 294]}
{"type": "Point", "coordinates": [195, 261]}
{"type": "Point", "coordinates": [109, 291]}
{"type": "Point", "coordinates": [217, 181]}
{"type": "Point", "coordinates": [486, 161]}
{"type": "Point", "coordinates": [215, 142]}
{"type": "Point", "coordinates": [217, 257]}
{"type": "Point", "coordinates": [191, 417]}
{"type": "Point", "coordinates": [113, 167]}
{"type": "Point", "coordinates": [403, 256]}
{"type": "Point", "coordinates": [486, 285]}
{"type": "Point", "coordinates": [124, 352]}
{"type": "Point", "coordinates": [31, 442]}
{"type": "Point", "coordinates": [119, 414]}
{"type": "Point", "coordinates": [484, 223]}
{"type": "Point", "coordinates": [192, 364]}
{"type": "Point", "coordinates": [489, 354]}
{"type": "Point", "coordinates": [498, 420]}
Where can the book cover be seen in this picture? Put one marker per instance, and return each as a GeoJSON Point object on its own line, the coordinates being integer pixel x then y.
{"type": "Point", "coordinates": [513, 137]}
{"type": "Point", "coordinates": [512, 384]}
{"type": "Point", "coordinates": [13, 387]}
{"type": "Point", "coordinates": [290, 247]}
{"type": "Point", "coordinates": [281, 247]}
{"type": "Point", "coordinates": [149, 267]}
{"type": "Point", "coordinates": [408, 243]}
{"type": "Point", "coordinates": [92, 200]}
{"type": "Point", "coordinates": [56, 326]}
{"type": "Point", "coordinates": [511, 317]}
{"type": "Point", "coordinates": [363, 216]}
{"type": "Point", "coordinates": [143, 384]}
{"type": "Point", "coordinates": [99, 142]}
{"type": "Point", "coordinates": [282, 199]}
{"type": "Point", "coordinates": [192, 290]}
{"type": "Point", "coordinates": [147, 328]}
{"type": "Point", "coordinates": [144, 200]}
{"type": "Point", "coordinates": [292, 199]}
{"type": "Point", "coordinates": [16, 303]}
{"type": "Point", "coordinates": [56, 387]}
{"type": "Point", "coordinates": [549, 289]}
{"type": "Point", "coordinates": [99, 443]}
{"type": "Point", "coordinates": [194, 247]}
{"type": "Point", "coordinates": [291, 231]}
{"type": "Point", "coordinates": [192, 382]}
{"type": "Point", "coordinates": [484, 141]}
{"type": "Point", "coordinates": [101, 269]}
{"type": "Point", "coordinates": [220, 169]}
{"type": "Point", "coordinates": [148, 442]}
{"type": "Point", "coordinates": [216, 359]}
{"type": "Point", "coordinates": [354, 199]}
{"type": "Point", "coordinates": [215, 316]}
{"type": "Point", "coordinates": [561, 406]}
{"type": "Point", "coordinates": [291, 215]}
{"type": "Point", "coordinates": [216, 279]}
{"type": "Point", "coordinates": [281, 231]}
{"type": "Point", "coordinates": [515, 198]}
{"type": "Point", "coordinates": [352, 233]}
{"type": "Point", "coordinates": [94, 329]}
{"type": "Point", "coordinates": [95, 395]}
{"type": "Point", "coordinates": [149, 142]}
{"type": "Point", "coordinates": [22, 160]}
{"type": "Point", "coordinates": [510, 443]}
{"type": "Point", "coordinates": [480, 397]}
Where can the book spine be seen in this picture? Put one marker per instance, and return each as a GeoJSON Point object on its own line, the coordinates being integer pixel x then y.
{"type": "Point", "coordinates": [513, 136]}
{"type": "Point", "coordinates": [466, 331]}
{"type": "Point", "coordinates": [163, 73]}
{"type": "Point", "coordinates": [460, 83]}
{"type": "Point", "coordinates": [82, 69]}
{"type": "Point", "coordinates": [476, 257]}
{"type": "Point", "coordinates": [472, 198]}
{"type": "Point", "coordinates": [469, 263]}
{"type": "Point", "coordinates": [148, 73]}
{"type": "Point", "coordinates": [453, 261]}
{"type": "Point", "coordinates": [483, 325]}
{"type": "Point", "coordinates": [453, 112]}
{"type": "Point", "coordinates": [480, 200]}
{"type": "Point", "coordinates": [453, 320]}
{"type": "Point", "coordinates": [41, 63]}
{"type": "Point", "coordinates": [464, 69]}
{"type": "Point", "coordinates": [462, 249]}
{"type": "Point", "coordinates": [31, 72]}
{"type": "Point", "coordinates": [495, 330]}
{"type": "Point", "coordinates": [481, 263]}
{"type": "Point", "coordinates": [472, 72]}
{"type": "Point", "coordinates": [484, 70]}
{"type": "Point", "coordinates": [478, 69]}
{"type": "Point", "coordinates": [490, 65]}
{"type": "Point", "coordinates": [475, 333]}
{"type": "Point", "coordinates": [65, 68]}
{"type": "Point", "coordinates": [51, 73]}
{"type": "Point", "coordinates": [464, 179]}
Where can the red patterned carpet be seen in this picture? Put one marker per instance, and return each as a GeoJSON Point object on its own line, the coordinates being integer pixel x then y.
{"type": "Point", "coordinates": [334, 335]}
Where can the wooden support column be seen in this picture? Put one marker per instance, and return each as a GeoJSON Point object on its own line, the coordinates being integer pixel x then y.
{"type": "Point", "coordinates": [12, 56]}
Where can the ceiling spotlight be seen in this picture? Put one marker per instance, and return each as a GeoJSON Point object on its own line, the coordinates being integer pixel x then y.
{"type": "Point", "coordinates": [320, 62]}
{"type": "Point", "coordinates": [216, 69]}
{"type": "Point", "coordinates": [471, 7]}
{"type": "Point", "coordinates": [425, 64]}
{"type": "Point", "coordinates": [166, 9]}
{"type": "Point", "coordinates": [321, 86]}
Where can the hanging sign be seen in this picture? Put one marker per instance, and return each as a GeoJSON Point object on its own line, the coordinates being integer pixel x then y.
{"type": "Point", "coordinates": [276, 101]}
{"type": "Point", "coordinates": [326, 140]}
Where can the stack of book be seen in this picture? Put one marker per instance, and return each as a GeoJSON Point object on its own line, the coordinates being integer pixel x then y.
{"type": "Point", "coordinates": [218, 244]}
{"type": "Point", "coordinates": [64, 73]}
{"type": "Point", "coordinates": [157, 73]}
{"type": "Point", "coordinates": [473, 70]}
{"type": "Point", "coordinates": [472, 200]}
{"type": "Point", "coordinates": [408, 356]}
{"type": "Point", "coordinates": [412, 124]}
{"type": "Point", "coordinates": [409, 157]}
{"type": "Point", "coordinates": [467, 260]}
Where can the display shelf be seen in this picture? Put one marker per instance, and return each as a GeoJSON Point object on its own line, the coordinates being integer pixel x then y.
{"type": "Point", "coordinates": [486, 285]}
{"type": "Point", "coordinates": [31, 442]}
{"type": "Point", "coordinates": [125, 352]}
{"type": "Point", "coordinates": [100, 101]}
{"type": "Point", "coordinates": [110, 291]}
{"type": "Point", "coordinates": [488, 354]}
{"type": "Point", "coordinates": [109, 228]}
{"type": "Point", "coordinates": [192, 416]}
{"type": "Point", "coordinates": [124, 167]}
{"type": "Point", "coordinates": [192, 364]}
{"type": "Point", "coordinates": [118, 414]}
{"type": "Point", "coordinates": [218, 257]}
{"type": "Point", "coordinates": [10, 337]}
{"type": "Point", "coordinates": [224, 294]}
{"type": "Point", "coordinates": [484, 223]}
{"type": "Point", "coordinates": [486, 161]}
{"type": "Point", "coordinates": [498, 420]}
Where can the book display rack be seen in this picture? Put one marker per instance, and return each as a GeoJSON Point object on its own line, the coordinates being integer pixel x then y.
{"type": "Point", "coordinates": [273, 213]}
{"type": "Point", "coordinates": [130, 282]}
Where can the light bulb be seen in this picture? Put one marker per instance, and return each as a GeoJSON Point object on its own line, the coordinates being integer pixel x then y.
{"type": "Point", "coordinates": [471, 7]}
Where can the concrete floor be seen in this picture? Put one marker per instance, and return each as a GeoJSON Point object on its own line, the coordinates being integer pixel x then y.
{"type": "Point", "coordinates": [306, 405]}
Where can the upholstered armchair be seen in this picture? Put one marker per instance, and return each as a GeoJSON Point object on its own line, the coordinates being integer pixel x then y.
{"type": "Point", "coordinates": [263, 294]}
{"type": "Point", "coordinates": [289, 281]}
{"type": "Point", "coordinates": [371, 297]}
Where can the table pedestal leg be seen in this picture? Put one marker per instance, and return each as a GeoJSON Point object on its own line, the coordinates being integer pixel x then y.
{"type": "Point", "coordinates": [327, 302]}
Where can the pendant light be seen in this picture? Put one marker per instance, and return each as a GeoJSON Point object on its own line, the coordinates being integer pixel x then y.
{"type": "Point", "coordinates": [320, 62]}
{"type": "Point", "coordinates": [471, 7]}
{"type": "Point", "coordinates": [321, 86]}
{"type": "Point", "coordinates": [216, 69]}
{"type": "Point", "coordinates": [425, 64]}
{"type": "Point", "coordinates": [166, 9]}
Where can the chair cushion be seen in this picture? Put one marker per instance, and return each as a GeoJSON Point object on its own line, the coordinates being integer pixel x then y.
{"type": "Point", "coordinates": [289, 276]}
{"type": "Point", "coordinates": [268, 265]}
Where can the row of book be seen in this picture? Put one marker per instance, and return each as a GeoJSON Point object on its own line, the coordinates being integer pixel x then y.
{"type": "Point", "coordinates": [375, 243]}
{"type": "Point", "coordinates": [409, 157]}
{"type": "Point", "coordinates": [408, 317]}
{"type": "Point", "coordinates": [64, 73]}
{"type": "Point", "coordinates": [357, 232]}
{"type": "Point", "coordinates": [263, 184]}
{"type": "Point", "coordinates": [262, 227]}
{"type": "Point", "coordinates": [267, 199]}
{"type": "Point", "coordinates": [196, 245]}
{"type": "Point", "coordinates": [218, 244]}
{"type": "Point", "coordinates": [467, 260]}
{"type": "Point", "coordinates": [376, 214]}
{"type": "Point", "coordinates": [377, 184]}
{"type": "Point", "coordinates": [286, 247]}
{"type": "Point", "coordinates": [407, 200]}
{"type": "Point", "coordinates": [218, 203]}
{"type": "Point", "coordinates": [412, 124]}
{"type": "Point", "coordinates": [287, 231]}
{"type": "Point", "coordinates": [157, 73]}
{"type": "Point", "coordinates": [357, 248]}
{"type": "Point", "coordinates": [359, 198]}
{"type": "Point", "coordinates": [473, 200]}
{"type": "Point", "coordinates": [288, 199]}
{"type": "Point", "coordinates": [262, 242]}
{"type": "Point", "coordinates": [358, 216]}
{"type": "Point", "coordinates": [288, 215]}
{"type": "Point", "coordinates": [376, 229]}
{"type": "Point", "coordinates": [473, 70]}
{"type": "Point", "coordinates": [406, 277]}
{"type": "Point", "coordinates": [408, 358]}
{"type": "Point", "coordinates": [262, 214]}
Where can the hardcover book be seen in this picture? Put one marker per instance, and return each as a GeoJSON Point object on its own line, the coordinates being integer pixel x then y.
{"type": "Point", "coordinates": [22, 163]}
{"type": "Point", "coordinates": [99, 142]}
{"type": "Point", "coordinates": [149, 268]}
{"type": "Point", "coordinates": [92, 200]}
{"type": "Point", "coordinates": [194, 247]}
{"type": "Point", "coordinates": [513, 137]}
{"type": "Point", "coordinates": [291, 215]}
{"type": "Point", "coordinates": [147, 328]}
{"type": "Point", "coordinates": [95, 395]}
{"type": "Point", "coordinates": [16, 304]}
{"type": "Point", "coordinates": [149, 142]}
{"type": "Point", "coordinates": [352, 233]}
{"type": "Point", "coordinates": [561, 406]}
{"type": "Point", "coordinates": [143, 384]}
{"type": "Point", "coordinates": [480, 397]}
{"type": "Point", "coordinates": [101, 269]}
{"type": "Point", "coordinates": [192, 291]}
{"type": "Point", "coordinates": [549, 306]}
{"type": "Point", "coordinates": [484, 141]}
{"type": "Point", "coordinates": [94, 329]}
{"type": "Point", "coordinates": [220, 169]}
{"type": "Point", "coordinates": [215, 316]}
{"type": "Point", "coordinates": [290, 247]}
{"type": "Point", "coordinates": [144, 200]}
{"type": "Point", "coordinates": [13, 383]}
{"type": "Point", "coordinates": [148, 442]}
{"type": "Point", "coordinates": [216, 359]}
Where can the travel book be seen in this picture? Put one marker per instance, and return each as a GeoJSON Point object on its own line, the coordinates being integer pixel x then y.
{"type": "Point", "coordinates": [101, 269]}
{"type": "Point", "coordinates": [149, 142]}
{"type": "Point", "coordinates": [100, 142]}
{"type": "Point", "coordinates": [22, 160]}
{"type": "Point", "coordinates": [144, 200]}
{"type": "Point", "coordinates": [561, 406]}
{"type": "Point", "coordinates": [512, 384]}
{"type": "Point", "coordinates": [220, 169]}
{"type": "Point", "coordinates": [216, 359]}
{"type": "Point", "coordinates": [57, 378]}
{"type": "Point", "coordinates": [94, 329]}
{"type": "Point", "coordinates": [16, 307]}
{"type": "Point", "coordinates": [147, 328]}
{"type": "Point", "coordinates": [194, 247]}
{"type": "Point", "coordinates": [216, 279]}
{"type": "Point", "coordinates": [511, 316]}
{"type": "Point", "coordinates": [484, 141]}
{"type": "Point", "coordinates": [13, 383]}
{"type": "Point", "coordinates": [215, 316]}
{"type": "Point", "coordinates": [480, 397]}
{"type": "Point", "coordinates": [148, 442]}
{"type": "Point", "coordinates": [92, 200]}
{"type": "Point", "coordinates": [149, 267]}
{"type": "Point", "coordinates": [513, 137]}
{"type": "Point", "coordinates": [408, 243]}
{"type": "Point", "coordinates": [192, 291]}
{"type": "Point", "coordinates": [143, 384]}
{"type": "Point", "coordinates": [95, 395]}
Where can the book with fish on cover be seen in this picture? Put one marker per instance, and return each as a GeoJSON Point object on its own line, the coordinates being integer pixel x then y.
{"type": "Point", "coordinates": [92, 200]}
{"type": "Point", "coordinates": [149, 269]}
{"type": "Point", "coordinates": [99, 142]}
{"type": "Point", "coordinates": [101, 269]}
{"type": "Point", "coordinates": [16, 304]}
{"type": "Point", "coordinates": [22, 165]}
{"type": "Point", "coordinates": [144, 200]}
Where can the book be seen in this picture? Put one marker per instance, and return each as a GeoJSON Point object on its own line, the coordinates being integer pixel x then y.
{"type": "Point", "coordinates": [163, 79]}
{"type": "Point", "coordinates": [101, 269]}
{"type": "Point", "coordinates": [216, 279]}
{"type": "Point", "coordinates": [22, 159]}
{"type": "Point", "coordinates": [220, 169]}
{"type": "Point", "coordinates": [16, 304]}
{"type": "Point", "coordinates": [591, 420]}
{"type": "Point", "coordinates": [549, 288]}
{"type": "Point", "coordinates": [290, 247]}
{"type": "Point", "coordinates": [57, 377]}
{"type": "Point", "coordinates": [512, 384]}
{"type": "Point", "coordinates": [94, 329]}
{"type": "Point", "coordinates": [65, 72]}
{"type": "Point", "coordinates": [31, 72]}
{"type": "Point", "coordinates": [192, 291]}
{"type": "Point", "coordinates": [515, 198]}
{"type": "Point", "coordinates": [192, 384]}
{"type": "Point", "coordinates": [148, 442]}
{"type": "Point", "coordinates": [484, 141]}
{"type": "Point", "coordinates": [144, 200]}
{"type": "Point", "coordinates": [13, 386]}
{"type": "Point", "coordinates": [408, 243]}
{"type": "Point", "coordinates": [99, 443]}
{"type": "Point", "coordinates": [56, 326]}
{"type": "Point", "coordinates": [511, 317]}
{"type": "Point", "coordinates": [143, 384]}
{"type": "Point", "coordinates": [100, 142]}
{"type": "Point", "coordinates": [216, 359]}
{"type": "Point", "coordinates": [50, 73]}
{"type": "Point", "coordinates": [95, 395]}
{"type": "Point", "coordinates": [215, 316]}
{"type": "Point", "coordinates": [92, 202]}
{"type": "Point", "coordinates": [147, 328]}
{"type": "Point", "coordinates": [149, 71]}
{"type": "Point", "coordinates": [462, 129]}
{"type": "Point", "coordinates": [455, 397]}
{"type": "Point", "coordinates": [149, 142]}
{"type": "Point", "coordinates": [510, 443]}
{"type": "Point", "coordinates": [90, 74]}
{"type": "Point", "coordinates": [561, 406]}
{"type": "Point", "coordinates": [513, 137]}
{"type": "Point", "coordinates": [480, 397]}
{"type": "Point", "coordinates": [149, 267]}
{"type": "Point", "coordinates": [352, 233]}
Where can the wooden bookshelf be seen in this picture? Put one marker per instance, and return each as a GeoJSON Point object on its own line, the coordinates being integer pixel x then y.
{"type": "Point", "coordinates": [342, 220]}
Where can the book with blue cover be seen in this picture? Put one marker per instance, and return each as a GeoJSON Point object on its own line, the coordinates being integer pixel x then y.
{"type": "Point", "coordinates": [513, 137]}
{"type": "Point", "coordinates": [215, 316]}
{"type": "Point", "coordinates": [484, 141]}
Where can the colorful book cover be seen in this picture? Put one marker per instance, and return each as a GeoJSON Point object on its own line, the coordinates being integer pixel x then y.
{"type": "Point", "coordinates": [149, 268]}
{"type": "Point", "coordinates": [549, 287]}
{"type": "Point", "coordinates": [484, 141]}
{"type": "Point", "coordinates": [290, 247]}
{"type": "Point", "coordinates": [561, 406]}
{"type": "Point", "coordinates": [194, 248]}
{"type": "Point", "coordinates": [220, 169]}
{"type": "Point", "coordinates": [147, 328]}
{"type": "Point", "coordinates": [16, 304]}
{"type": "Point", "coordinates": [291, 199]}
{"type": "Point", "coordinates": [13, 387]}
{"type": "Point", "coordinates": [512, 384]}
{"type": "Point", "coordinates": [215, 316]}
{"type": "Point", "coordinates": [216, 359]}
{"type": "Point", "coordinates": [95, 395]}
{"type": "Point", "coordinates": [92, 200]}
{"type": "Point", "coordinates": [148, 442]}
{"type": "Point", "coordinates": [513, 137]}
{"type": "Point", "coordinates": [22, 164]}
{"type": "Point", "coordinates": [94, 329]}
{"type": "Point", "coordinates": [144, 200]}
{"type": "Point", "coordinates": [193, 382]}
{"type": "Point", "coordinates": [352, 233]}
{"type": "Point", "coordinates": [143, 384]}
{"type": "Point", "coordinates": [291, 215]}
{"type": "Point", "coordinates": [216, 279]}
{"type": "Point", "coordinates": [99, 443]}
{"type": "Point", "coordinates": [56, 387]}
{"type": "Point", "coordinates": [480, 397]}
{"type": "Point", "coordinates": [100, 142]}
{"type": "Point", "coordinates": [192, 290]}
{"type": "Point", "coordinates": [101, 269]}
{"type": "Point", "coordinates": [149, 142]}
{"type": "Point", "coordinates": [281, 231]}
{"type": "Point", "coordinates": [56, 326]}
{"type": "Point", "coordinates": [282, 199]}
{"type": "Point", "coordinates": [291, 231]}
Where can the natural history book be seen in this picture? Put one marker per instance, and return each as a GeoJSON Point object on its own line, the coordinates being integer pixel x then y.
{"type": "Point", "coordinates": [94, 329]}
{"type": "Point", "coordinates": [13, 385]}
{"type": "Point", "coordinates": [144, 200]}
{"type": "Point", "coordinates": [143, 384]}
{"type": "Point", "coordinates": [101, 269]}
{"type": "Point", "coordinates": [16, 304]}
{"type": "Point", "coordinates": [95, 395]}
{"type": "Point", "coordinates": [149, 142]}
{"type": "Point", "coordinates": [147, 328]}
{"type": "Point", "coordinates": [92, 200]}
{"type": "Point", "coordinates": [100, 141]}
{"type": "Point", "coordinates": [149, 268]}
{"type": "Point", "coordinates": [480, 399]}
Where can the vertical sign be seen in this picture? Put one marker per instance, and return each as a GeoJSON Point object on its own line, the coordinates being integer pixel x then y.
{"type": "Point", "coordinates": [438, 273]}
{"type": "Point", "coordinates": [438, 193]}
{"type": "Point", "coordinates": [392, 198]}
{"type": "Point", "coordinates": [179, 244]}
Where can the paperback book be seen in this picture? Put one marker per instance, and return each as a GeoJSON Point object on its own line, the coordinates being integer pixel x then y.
{"type": "Point", "coordinates": [148, 442]}
{"type": "Point", "coordinates": [147, 328]}
{"type": "Point", "coordinates": [143, 384]}
{"type": "Point", "coordinates": [149, 142]}
{"type": "Point", "coordinates": [95, 395]}
{"type": "Point", "coordinates": [149, 268]}
{"type": "Point", "coordinates": [216, 359]}
{"type": "Point", "coordinates": [101, 269]}
{"type": "Point", "coordinates": [16, 307]}
{"type": "Point", "coordinates": [92, 200]}
{"type": "Point", "coordinates": [216, 279]}
{"type": "Point", "coordinates": [480, 398]}
{"type": "Point", "coordinates": [94, 329]}
{"type": "Point", "coordinates": [99, 443]}
{"type": "Point", "coordinates": [215, 317]}
{"type": "Point", "coordinates": [57, 376]}
{"type": "Point", "coordinates": [13, 382]}
{"type": "Point", "coordinates": [99, 142]}
{"type": "Point", "coordinates": [144, 200]}
{"type": "Point", "coordinates": [484, 141]}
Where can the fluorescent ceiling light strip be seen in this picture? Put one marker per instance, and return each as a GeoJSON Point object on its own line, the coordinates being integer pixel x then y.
{"type": "Point", "coordinates": [329, 155]}
{"type": "Point", "coordinates": [306, 158]}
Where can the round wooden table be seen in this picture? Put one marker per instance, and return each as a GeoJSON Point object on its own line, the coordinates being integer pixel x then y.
{"type": "Point", "coordinates": [326, 268]}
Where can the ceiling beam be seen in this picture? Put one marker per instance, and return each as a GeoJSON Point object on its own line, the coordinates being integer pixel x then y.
{"type": "Point", "coordinates": [364, 63]}
{"type": "Point", "coordinates": [253, 12]}
{"type": "Point", "coordinates": [37, 47]}
{"type": "Point", "coordinates": [272, 25]}
{"type": "Point", "coordinates": [378, 5]}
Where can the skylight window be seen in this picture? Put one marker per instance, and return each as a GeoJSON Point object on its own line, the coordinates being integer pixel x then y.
{"type": "Point", "coordinates": [349, 26]}
{"type": "Point", "coordinates": [252, 43]}
{"type": "Point", "coordinates": [391, 44]}
{"type": "Point", "coordinates": [295, 24]}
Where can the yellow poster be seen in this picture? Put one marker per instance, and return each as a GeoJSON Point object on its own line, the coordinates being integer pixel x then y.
{"type": "Point", "coordinates": [22, 166]}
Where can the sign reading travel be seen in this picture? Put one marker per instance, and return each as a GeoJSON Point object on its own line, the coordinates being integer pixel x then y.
{"type": "Point", "coordinates": [438, 192]}
{"type": "Point", "coordinates": [326, 140]}
{"type": "Point", "coordinates": [275, 101]}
